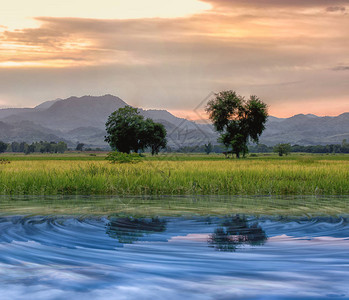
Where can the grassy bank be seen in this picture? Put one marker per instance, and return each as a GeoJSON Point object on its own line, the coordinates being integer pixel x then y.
{"type": "Point", "coordinates": [177, 175]}
{"type": "Point", "coordinates": [138, 206]}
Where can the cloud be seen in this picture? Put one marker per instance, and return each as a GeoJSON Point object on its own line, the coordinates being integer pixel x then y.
{"type": "Point", "coordinates": [341, 68]}
{"type": "Point", "coordinates": [336, 9]}
{"type": "Point", "coordinates": [174, 62]}
{"type": "Point", "coordinates": [277, 3]}
{"type": "Point", "coordinates": [19, 14]}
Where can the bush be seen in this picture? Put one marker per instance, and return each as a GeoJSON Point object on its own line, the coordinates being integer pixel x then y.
{"type": "Point", "coordinates": [282, 149]}
{"type": "Point", "coordinates": [119, 157]}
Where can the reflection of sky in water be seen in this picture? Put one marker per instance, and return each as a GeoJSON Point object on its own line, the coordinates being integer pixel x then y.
{"type": "Point", "coordinates": [62, 258]}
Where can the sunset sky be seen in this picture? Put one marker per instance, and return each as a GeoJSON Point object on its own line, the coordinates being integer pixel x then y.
{"type": "Point", "coordinates": [165, 54]}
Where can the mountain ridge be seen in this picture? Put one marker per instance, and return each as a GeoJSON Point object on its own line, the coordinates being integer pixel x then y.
{"type": "Point", "coordinates": [82, 119]}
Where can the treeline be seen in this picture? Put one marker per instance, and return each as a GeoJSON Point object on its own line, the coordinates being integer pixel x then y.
{"type": "Point", "coordinates": [39, 147]}
{"type": "Point", "coordinates": [197, 149]}
{"type": "Point", "coordinates": [261, 148]}
{"type": "Point", "coordinates": [333, 148]}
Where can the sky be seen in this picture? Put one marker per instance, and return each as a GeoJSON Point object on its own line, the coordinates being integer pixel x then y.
{"type": "Point", "coordinates": [165, 54]}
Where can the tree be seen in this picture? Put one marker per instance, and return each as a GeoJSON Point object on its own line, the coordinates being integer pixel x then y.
{"type": "Point", "coordinates": [282, 149]}
{"type": "Point", "coordinates": [80, 146]}
{"type": "Point", "coordinates": [128, 131]}
{"type": "Point", "coordinates": [155, 134]}
{"type": "Point", "coordinates": [3, 147]}
{"type": "Point", "coordinates": [345, 146]}
{"type": "Point", "coordinates": [23, 147]}
{"type": "Point", "coordinates": [208, 148]}
{"type": "Point", "coordinates": [124, 128]}
{"type": "Point", "coordinates": [15, 147]}
{"type": "Point", "coordinates": [29, 149]}
{"type": "Point", "coordinates": [61, 147]}
{"type": "Point", "coordinates": [237, 120]}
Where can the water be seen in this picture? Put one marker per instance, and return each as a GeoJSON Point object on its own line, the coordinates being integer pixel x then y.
{"type": "Point", "coordinates": [115, 256]}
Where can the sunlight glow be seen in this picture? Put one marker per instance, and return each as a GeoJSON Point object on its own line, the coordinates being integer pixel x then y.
{"type": "Point", "coordinates": [19, 14]}
{"type": "Point", "coordinates": [35, 64]}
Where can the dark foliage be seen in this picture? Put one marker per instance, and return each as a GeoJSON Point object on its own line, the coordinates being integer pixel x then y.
{"type": "Point", "coordinates": [237, 231]}
{"type": "Point", "coordinates": [129, 230]}
{"type": "Point", "coordinates": [282, 149]}
{"type": "Point", "coordinates": [40, 147]}
{"type": "Point", "coordinates": [80, 147]}
{"type": "Point", "coordinates": [128, 131]}
{"type": "Point", "coordinates": [237, 120]}
{"type": "Point", "coordinates": [208, 148]}
{"type": "Point", "coordinates": [3, 147]}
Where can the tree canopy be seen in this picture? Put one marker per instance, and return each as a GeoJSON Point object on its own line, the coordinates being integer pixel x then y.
{"type": "Point", "coordinates": [42, 146]}
{"type": "Point", "coordinates": [80, 147]}
{"type": "Point", "coordinates": [282, 149]}
{"type": "Point", "coordinates": [3, 147]}
{"type": "Point", "coordinates": [155, 134]}
{"type": "Point", "coordinates": [128, 131]}
{"type": "Point", "coordinates": [237, 120]}
{"type": "Point", "coordinates": [208, 148]}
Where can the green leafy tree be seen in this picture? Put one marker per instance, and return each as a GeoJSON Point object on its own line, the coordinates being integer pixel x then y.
{"type": "Point", "coordinates": [237, 120]}
{"type": "Point", "coordinates": [3, 147]}
{"type": "Point", "coordinates": [80, 146]}
{"type": "Point", "coordinates": [15, 147]}
{"type": "Point", "coordinates": [61, 147]}
{"type": "Point", "coordinates": [283, 149]}
{"type": "Point", "coordinates": [345, 146]}
{"type": "Point", "coordinates": [46, 147]}
{"type": "Point", "coordinates": [29, 149]}
{"type": "Point", "coordinates": [208, 148]}
{"type": "Point", "coordinates": [155, 135]}
{"type": "Point", "coordinates": [128, 131]}
{"type": "Point", "coordinates": [23, 147]}
{"type": "Point", "coordinates": [124, 130]}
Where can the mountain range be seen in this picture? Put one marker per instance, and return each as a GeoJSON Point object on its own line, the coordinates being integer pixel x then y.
{"type": "Point", "coordinates": [82, 119]}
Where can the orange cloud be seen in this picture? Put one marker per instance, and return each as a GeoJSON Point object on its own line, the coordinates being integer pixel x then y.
{"type": "Point", "coordinates": [289, 53]}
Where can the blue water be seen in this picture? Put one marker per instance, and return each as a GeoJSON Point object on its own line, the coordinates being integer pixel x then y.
{"type": "Point", "coordinates": [232, 257]}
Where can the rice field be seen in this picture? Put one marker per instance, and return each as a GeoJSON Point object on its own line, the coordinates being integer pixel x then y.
{"type": "Point", "coordinates": [182, 175]}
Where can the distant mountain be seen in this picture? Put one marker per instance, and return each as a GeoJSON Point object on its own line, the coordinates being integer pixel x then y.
{"type": "Point", "coordinates": [306, 130]}
{"type": "Point", "coordinates": [27, 131]}
{"type": "Point", "coordinates": [5, 112]}
{"type": "Point", "coordinates": [83, 120]}
{"type": "Point", "coordinates": [72, 113]}
{"type": "Point", "coordinates": [46, 105]}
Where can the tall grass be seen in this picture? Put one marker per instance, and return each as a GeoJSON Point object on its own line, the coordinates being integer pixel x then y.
{"type": "Point", "coordinates": [301, 176]}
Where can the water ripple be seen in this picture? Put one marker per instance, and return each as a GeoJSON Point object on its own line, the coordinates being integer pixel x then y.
{"type": "Point", "coordinates": [61, 257]}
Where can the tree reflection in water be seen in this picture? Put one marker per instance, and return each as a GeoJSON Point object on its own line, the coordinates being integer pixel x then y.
{"type": "Point", "coordinates": [235, 232]}
{"type": "Point", "coordinates": [128, 230]}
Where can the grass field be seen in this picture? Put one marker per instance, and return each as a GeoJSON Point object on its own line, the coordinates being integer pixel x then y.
{"type": "Point", "coordinates": [182, 174]}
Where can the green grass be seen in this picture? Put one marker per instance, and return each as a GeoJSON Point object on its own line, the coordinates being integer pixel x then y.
{"type": "Point", "coordinates": [77, 156]}
{"type": "Point", "coordinates": [100, 156]}
{"type": "Point", "coordinates": [196, 174]}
